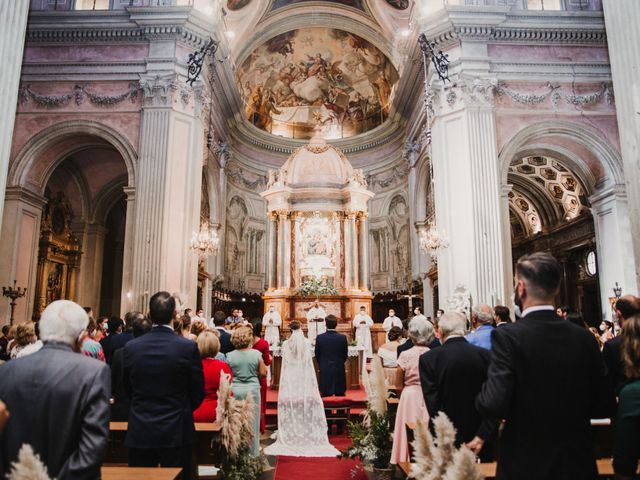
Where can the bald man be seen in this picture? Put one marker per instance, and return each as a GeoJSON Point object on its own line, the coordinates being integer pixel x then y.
{"type": "Point", "coordinates": [481, 318]}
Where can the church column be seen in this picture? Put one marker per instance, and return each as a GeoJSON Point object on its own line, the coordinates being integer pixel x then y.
{"type": "Point", "coordinates": [126, 296]}
{"type": "Point", "coordinates": [91, 268]}
{"type": "Point", "coordinates": [350, 251]}
{"type": "Point", "coordinates": [272, 252]}
{"type": "Point", "coordinates": [363, 242]}
{"type": "Point", "coordinates": [339, 225]}
{"type": "Point", "coordinates": [13, 23]}
{"type": "Point", "coordinates": [284, 249]}
{"type": "Point", "coordinates": [506, 241]}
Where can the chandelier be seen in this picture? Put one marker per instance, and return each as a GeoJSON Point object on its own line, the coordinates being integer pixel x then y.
{"type": "Point", "coordinates": [205, 242]}
{"type": "Point", "coordinates": [431, 240]}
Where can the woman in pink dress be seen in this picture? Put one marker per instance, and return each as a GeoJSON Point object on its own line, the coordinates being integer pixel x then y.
{"type": "Point", "coordinates": [411, 406]}
{"type": "Point", "coordinates": [262, 346]}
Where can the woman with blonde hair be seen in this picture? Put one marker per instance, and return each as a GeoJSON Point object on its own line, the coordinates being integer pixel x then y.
{"type": "Point", "coordinates": [25, 335]}
{"type": "Point", "coordinates": [247, 367]}
{"type": "Point", "coordinates": [209, 347]}
{"type": "Point", "coordinates": [627, 426]}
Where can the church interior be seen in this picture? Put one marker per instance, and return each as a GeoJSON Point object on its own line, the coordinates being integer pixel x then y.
{"type": "Point", "coordinates": [348, 155]}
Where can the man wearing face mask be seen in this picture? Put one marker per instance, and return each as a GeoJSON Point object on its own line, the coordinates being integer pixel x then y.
{"type": "Point", "coordinates": [546, 380]}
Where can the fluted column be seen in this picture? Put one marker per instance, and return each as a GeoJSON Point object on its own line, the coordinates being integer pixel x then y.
{"type": "Point", "coordinates": [126, 296]}
{"type": "Point", "coordinates": [339, 279]}
{"type": "Point", "coordinates": [13, 23]}
{"type": "Point", "coordinates": [287, 251]}
{"type": "Point", "coordinates": [284, 246]}
{"type": "Point", "coordinates": [351, 251]}
{"type": "Point", "coordinates": [363, 242]}
{"type": "Point", "coordinates": [272, 252]}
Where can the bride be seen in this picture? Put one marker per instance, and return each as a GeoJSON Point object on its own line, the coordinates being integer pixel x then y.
{"type": "Point", "coordinates": [302, 426]}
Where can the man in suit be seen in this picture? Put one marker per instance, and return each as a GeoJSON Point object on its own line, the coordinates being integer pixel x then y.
{"type": "Point", "coordinates": [546, 380]}
{"type": "Point", "coordinates": [451, 377]}
{"type": "Point", "coordinates": [626, 307]}
{"type": "Point", "coordinates": [115, 326]}
{"type": "Point", "coordinates": [58, 400]}
{"type": "Point", "coordinates": [331, 353]}
{"type": "Point", "coordinates": [225, 337]}
{"type": "Point", "coordinates": [501, 316]}
{"type": "Point", "coordinates": [163, 378]}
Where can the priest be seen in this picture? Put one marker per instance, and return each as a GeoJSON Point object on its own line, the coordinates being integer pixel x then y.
{"type": "Point", "coordinates": [362, 322]}
{"type": "Point", "coordinates": [390, 322]}
{"type": "Point", "coordinates": [315, 321]}
{"type": "Point", "coordinates": [272, 322]}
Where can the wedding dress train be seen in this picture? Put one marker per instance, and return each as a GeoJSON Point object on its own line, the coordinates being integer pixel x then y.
{"type": "Point", "coordinates": [302, 426]}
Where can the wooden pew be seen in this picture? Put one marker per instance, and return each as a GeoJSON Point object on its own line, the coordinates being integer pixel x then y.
{"type": "Point", "coordinates": [137, 473]}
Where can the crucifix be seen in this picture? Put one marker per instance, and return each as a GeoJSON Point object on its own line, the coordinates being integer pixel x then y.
{"type": "Point", "coordinates": [410, 296]}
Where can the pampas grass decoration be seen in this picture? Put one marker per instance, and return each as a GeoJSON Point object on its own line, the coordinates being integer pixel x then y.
{"type": "Point", "coordinates": [445, 434]}
{"type": "Point", "coordinates": [28, 467]}
{"type": "Point", "coordinates": [376, 388]}
{"type": "Point", "coordinates": [423, 448]}
{"type": "Point", "coordinates": [235, 417]}
{"type": "Point", "coordinates": [464, 466]}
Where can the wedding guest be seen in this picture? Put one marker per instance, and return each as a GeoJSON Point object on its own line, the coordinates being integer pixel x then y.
{"type": "Point", "coordinates": [25, 335]}
{"type": "Point", "coordinates": [411, 406]}
{"type": "Point", "coordinates": [247, 367]}
{"type": "Point", "coordinates": [127, 332]}
{"type": "Point", "coordinates": [115, 326]}
{"type": "Point", "coordinates": [331, 352]}
{"type": "Point", "coordinates": [391, 321]}
{"type": "Point", "coordinates": [184, 323]}
{"type": "Point", "coordinates": [625, 307]}
{"type": "Point", "coordinates": [627, 425]}
{"type": "Point", "coordinates": [209, 347]}
{"type": "Point", "coordinates": [272, 322]}
{"type": "Point", "coordinates": [451, 376]}
{"type": "Point", "coordinates": [4, 343]}
{"type": "Point", "coordinates": [225, 337]}
{"type": "Point", "coordinates": [163, 378]}
{"type": "Point", "coordinates": [34, 346]}
{"type": "Point", "coordinates": [58, 400]}
{"type": "Point", "coordinates": [103, 327]}
{"type": "Point", "coordinates": [196, 329]}
{"type": "Point", "coordinates": [481, 318]}
{"type": "Point", "coordinates": [362, 322]}
{"type": "Point", "coordinates": [563, 311]}
{"type": "Point", "coordinates": [262, 346]}
{"type": "Point", "coordinates": [607, 331]}
{"type": "Point", "coordinates": [547, 395]}
{"type": "Point", "coordinates": [199, 318]}
{"type": "Point", "coordinates": [89, 346]}
{"type": "Point", "coordinates": [501, 315]}
{"type": "Point", "coordinates": [388, 353]}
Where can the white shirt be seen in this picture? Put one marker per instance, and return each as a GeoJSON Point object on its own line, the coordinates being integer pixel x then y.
{"type": "Point", "coordinates": [537, 308]}
{"type": "Point", "coordinates": [316, 312]}
{"type": "Point", "coordinates": [391, 322]}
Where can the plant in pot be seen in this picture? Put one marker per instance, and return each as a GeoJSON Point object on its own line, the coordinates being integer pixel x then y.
{"type": "Point", "coordinates": [371, 438]}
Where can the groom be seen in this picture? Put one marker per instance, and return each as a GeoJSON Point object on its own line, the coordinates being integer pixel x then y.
{"type": "Point", "coordinates": [331, 354]}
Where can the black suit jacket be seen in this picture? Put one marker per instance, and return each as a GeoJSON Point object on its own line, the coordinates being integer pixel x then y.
{"type": "Point", "coordinates": [163, 377]}
{"type": "Point", "coordinates": [58, 401]}
{"type": "Point", "coordinates": [546, 380]}
{"type": "Point", "coordinates": [612, 355]}
{"type": "Point", "coordinates": [451, 377]}
{"type": "Point", "coordinates": [120, 407]}
{"type": "Point", "coordinates": [225, 341]}
{"type": "Point", "coordinates": [331, 352]}
{"type": "Point", "coordinates": [404, 347]}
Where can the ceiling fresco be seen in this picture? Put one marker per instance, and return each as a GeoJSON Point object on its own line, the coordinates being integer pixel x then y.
{"type": "Point", "coordinates": [399, 4]}
{"type": "Point", "coordinates": [349, 3]}
{"type": "Point", "coordinates": [317, 75]}
{"type": "Point", "coordinates": [237, 4]}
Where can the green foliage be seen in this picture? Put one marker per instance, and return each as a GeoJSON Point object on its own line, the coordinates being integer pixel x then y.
{"type": "Point", "coordinates": [243, 466]}
{"type": "Point", "coordinates": [314, 287]}
{"type": "Point", "coordinates": [372, 443]}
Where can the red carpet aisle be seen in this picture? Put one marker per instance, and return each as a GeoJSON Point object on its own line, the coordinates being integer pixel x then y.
{"type": "Point", "coordinates": [294, 468]}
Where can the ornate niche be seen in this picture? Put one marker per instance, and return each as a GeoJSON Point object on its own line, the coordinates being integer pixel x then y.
{"type": "Point", "coordinates": [58, 256]}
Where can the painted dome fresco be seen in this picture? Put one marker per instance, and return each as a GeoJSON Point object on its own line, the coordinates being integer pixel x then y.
{"type": "Point", "coordinates": [303, 76]}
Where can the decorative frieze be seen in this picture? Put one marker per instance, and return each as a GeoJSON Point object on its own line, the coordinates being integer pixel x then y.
{"type": "Point", "coordinates": [79, 93]}
{"type": "Point", "coordinates": [159, 89]}
{"type": "Point", "coordinates": [237, 176]}
{"type": "Point", "coordinates": [556, 93]}
{"type": "Point", "coordinates": [388, 179]}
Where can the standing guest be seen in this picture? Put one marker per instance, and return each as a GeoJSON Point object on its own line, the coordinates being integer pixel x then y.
{"type": "Point", "coordinates": [4, 342]}
{"type": "Point", "coordinates": [481, 319]}
{"type": "Point", "coordinates": [58, 400]}
{"type": "Point", "coordinates": [547, 395]}
{"type": "Point", "coordinates": [331, 351]}
{"type": "Point", "coordinates": [501, 315]}
{"type": "Point", "coordinates": [196, 329]}
{"type": "Point", "coordinates": [362, 322]}
{"type": "Point", "coordinates": [225, 337]}
{"type": "Point", "coordinates": [262, 346]}
{"type": "Point", "coordinates": [209, 347]}
{"type": "Point", "coordinates": [125, 335]}
{"type": "Point", "coordinates": [411, 407]}
{"type": "Point", "coordinates": [451, 377]}
{"type": "Point", "coordinates": [627, 426]}
{"type": "Point", "coordinates": [439, 313]}
{"type": "Point", "coordinates": [606, 331]}
{"type": "Point", "coordinates": [563, 311]}
{"type": "Point", "coordinates": [403, 347]}
{"type": "Point", "coordinates": [418, 313]}
{"type": "Point", "coordinates": [199, 317]}
{"type": "Point", "coordinates": [391, 321]}
{"type": "Point", "coordinates": [247, 367]}
{"type": "Point", "coordinates": [12, 339]}
{"type": "Point", "coordinates": [626, 307]}
{"type": "Point", "coordinates": [89, 311]}
{"type": "Point", "coordinates": [272, 322]}
{"type": "Point", "coordinates": [188, 312]}
{"type": "Point", "coordinates": [163, 378]}
{"type": "Point", "coordinates": [25, 336]}
{"type": "Point", "coordinates": [88, 344]}
{"type": "Point", "coordinates": [121, 403]}
{"type": "Point", "coordinates": [32, 347]}
{"type": "Point", "coordinates": [184, 323]}
{"type": "Point", "coordinates": [103, 327]}
{"type": "Point", "coordinates": [115, 328]}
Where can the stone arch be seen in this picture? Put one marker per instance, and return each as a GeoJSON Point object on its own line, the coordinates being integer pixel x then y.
{"type": "Point", "coordinates": [80, 183]}
{"type": "Point", "coordinates": [62, 140]}
{"type": "Point", "coordinates": [423, 185]}
{"type": "Point", "coordinates": [106, 198]}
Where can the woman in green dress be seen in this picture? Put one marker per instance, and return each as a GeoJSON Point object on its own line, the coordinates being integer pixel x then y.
{"type": "Point", "coordinates": [247, 367]}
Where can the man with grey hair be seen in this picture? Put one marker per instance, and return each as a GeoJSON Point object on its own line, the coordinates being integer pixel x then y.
{"type": "Point", "coordinates": [451, 377]}
{"type": "Point", "coordinates": [481, 318]}
{"type": "Point", "coordinates": [58, 399]}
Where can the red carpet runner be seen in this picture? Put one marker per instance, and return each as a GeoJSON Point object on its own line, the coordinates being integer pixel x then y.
{"type": "Point", "coordinates": [294, 468]}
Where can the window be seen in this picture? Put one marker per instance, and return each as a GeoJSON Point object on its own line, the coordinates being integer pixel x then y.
{"type": "Point", "coordinates": [591, 264]}
{"type": "Point", "coordinates": [544, 5]}
{"type": "Point", "coordinates": [92, 4]}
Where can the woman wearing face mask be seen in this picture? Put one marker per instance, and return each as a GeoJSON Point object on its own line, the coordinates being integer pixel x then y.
{"type": "Point", "coordinates": [607, 332]}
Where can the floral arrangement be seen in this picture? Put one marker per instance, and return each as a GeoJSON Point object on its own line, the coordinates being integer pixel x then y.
{"type": "Point", "coordinates": [437, 458]}
{"type": "Point", "coordinates": [28, 467]}
{"type": "Point", "coordinates": [236, 434]}
{"type": "Point", "coordinates": [314, 286]}
{"type": "Point", "coordinates": [372, 441]}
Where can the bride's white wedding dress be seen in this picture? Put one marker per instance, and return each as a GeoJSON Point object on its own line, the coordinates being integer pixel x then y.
{"type": "Point", "coordinates": [302, 426]}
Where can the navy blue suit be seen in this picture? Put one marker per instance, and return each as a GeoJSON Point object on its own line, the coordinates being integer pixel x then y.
{"type": "Point", "coordinates": [113, 342]}
{"type": "Point", "coordinates": [225, 340]}
{"type": "Point", "coordinates": [164, 380]}
{"type": "Point", "coordinates": [331, 353]}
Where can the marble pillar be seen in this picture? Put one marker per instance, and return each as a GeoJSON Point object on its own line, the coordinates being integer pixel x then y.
{"type": "Point", "coordinates": [126, 294]}
{"type": "Point", "coordinates": [13, 24]}
{"type": "Point", "coordinates": [623, 39]}
{"type": "Point", "coordinates": [363, 242]}
{"type": "Point", "coordinates": [272, 252]}
{"type": "Point", "coordinates": [284, 250]}
{"type": "Point", "coordinates": [90, 271]}
{"type": "Point", "coordinates": [351, 252]}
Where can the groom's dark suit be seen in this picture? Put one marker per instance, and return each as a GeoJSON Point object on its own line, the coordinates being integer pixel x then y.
{"type": "Point", "coordinates": [331, 353]}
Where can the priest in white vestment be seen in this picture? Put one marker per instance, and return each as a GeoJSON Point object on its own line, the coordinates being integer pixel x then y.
{"type": "Point", "coordinates": [315, 322]}
{"type": "Point", "coordinates": [272, 322]}
{"type": "Point", "coordinates": [390, 322]}
{"type": "Point", "coordinates": [362, 322]}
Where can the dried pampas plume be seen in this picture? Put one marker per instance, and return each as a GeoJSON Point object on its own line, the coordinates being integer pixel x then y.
{"type": "Point", "coordinates": [439, 459]}
{"type": "Point", "coordinates": [376, 387]}
{"type": "Point", "coordinates": [235, 417]}
{"type": "Point", "coordinates": [28, 467]}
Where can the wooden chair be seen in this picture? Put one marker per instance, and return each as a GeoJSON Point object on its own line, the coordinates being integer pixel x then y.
{"type": "Point", "coordinates": [337, 410]}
